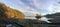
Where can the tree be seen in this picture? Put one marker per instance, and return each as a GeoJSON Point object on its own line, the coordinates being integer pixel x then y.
{"type": "Point", "coordinates": [38, 16]}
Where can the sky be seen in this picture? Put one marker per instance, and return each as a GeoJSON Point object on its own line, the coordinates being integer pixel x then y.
{"type": "Point", "coordinates": [33, 7]}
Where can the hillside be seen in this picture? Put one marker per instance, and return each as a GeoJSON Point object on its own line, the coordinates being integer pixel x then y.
{"type": "Point", "coordinates": [11, 13]}
{"type": "Point", "coordinates": [7, 15]}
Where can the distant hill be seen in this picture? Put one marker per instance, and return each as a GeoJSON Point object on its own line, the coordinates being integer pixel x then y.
{"type": "Point", "coordinates": [55, 16]}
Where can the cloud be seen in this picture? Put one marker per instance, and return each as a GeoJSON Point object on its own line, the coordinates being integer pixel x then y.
{"type": "Point", "coordinates": [54, 8]}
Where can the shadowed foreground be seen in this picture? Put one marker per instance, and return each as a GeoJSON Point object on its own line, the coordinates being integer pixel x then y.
{"type": "Point", "coordinates": [29, 23]}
